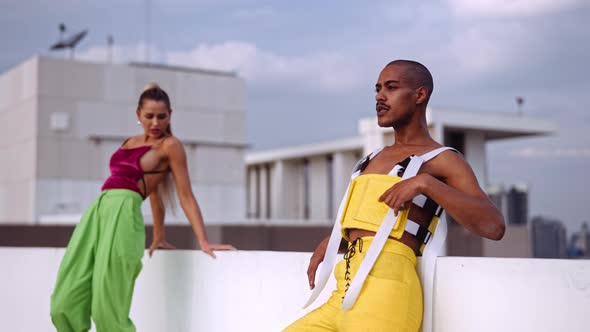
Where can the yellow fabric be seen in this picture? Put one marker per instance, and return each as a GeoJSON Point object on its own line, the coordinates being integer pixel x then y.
{"type": "Point", "coordinates": [391, 298]}
{"type": "Point", "coordinates": [431, 229]}
{"type": "Point", "coordinates": [363, 209]}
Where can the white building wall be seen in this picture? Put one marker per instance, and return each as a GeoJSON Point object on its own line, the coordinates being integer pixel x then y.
{"type": "Point", "coordinates": [344, 163]}
{"type": "Point", "coordinates": [277, 190]}
{"type": "Point", "coordinates": [373, 136]}
{"type": "Point", "coordinates": [287, 189]}
{"type": "Point", "coordinates": [251, 187]}
{"type": "Point", "coordinates": [265, 193]}
{"type": "Point", "coordinates": [318, 188]}
{"type": "Point", "coordinates": [292, 193]}
{"type": "Point", "coordinates": [475, 153]}
{"type": "Point", "coordinates": [219, 183]}
{"type": "Point", "coordinates": [18, 116]}
{"type": "Point", "coordinates": [188, 291]}
{"type": "Point", "coordinates": [98, 103]}
{"type": "Point", "coordinates": [478, 128]}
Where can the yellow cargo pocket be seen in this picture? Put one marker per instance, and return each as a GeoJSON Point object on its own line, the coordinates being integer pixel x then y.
{"type": "Point", "coordinates": [368, 208]}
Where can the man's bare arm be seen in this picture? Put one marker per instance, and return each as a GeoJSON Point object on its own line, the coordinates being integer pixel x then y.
{"type": "Point", "coordinates": [462, 197]}
{"type": "Point", "coordinates": [459, 194]}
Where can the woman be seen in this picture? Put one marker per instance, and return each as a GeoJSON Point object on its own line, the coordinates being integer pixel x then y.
{"type": "Point", "coordinates": [102, 261]}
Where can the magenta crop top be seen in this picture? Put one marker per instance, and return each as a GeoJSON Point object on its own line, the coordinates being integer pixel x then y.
{"type": "Point", "coordinates": [126, 171]}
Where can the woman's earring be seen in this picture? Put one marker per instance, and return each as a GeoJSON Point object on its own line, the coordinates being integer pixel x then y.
{"type": "Point", "coordinates": [138, 123]}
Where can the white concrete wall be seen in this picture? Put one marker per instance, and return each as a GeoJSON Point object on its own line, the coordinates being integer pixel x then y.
{"type": "Point", "coordinates": [495, 294]}
{"type": "Point", "coordinates": [218, 177]}
{"type": "Point", "coordinates": [65, 196]}
{"type": "Point", "coordinates": [318, 188]}
{"type": "Point", "coordinates": [263, 291]}
{"type": "Point", "coordinates": [213, 185]}
{"type": "Point", "coordinates": [344, 162]}
{"type": "Point", "coordinates": [475, 153]}
{"type": "Point", "coordinates": [18, 104]}
{"type": "Point", "coordinates": [286, 180]}
{"type": "Point", "coordinates": [287, 185]}
{"type": "Point", "coordinates": [265, 193]}
{"type": "Point", "coordinates": [278, 203]}
{"type": "Point", "coordinates": [251, 188]}
{"type": "Point", "coordinates": [373, 136]}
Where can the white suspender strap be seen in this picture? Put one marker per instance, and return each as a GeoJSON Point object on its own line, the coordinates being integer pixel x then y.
{"type": "Point", "coordinates": [326, 267]}
{"type": "Point", "coordinates": [427, 266]}
{"type": "Point", "coordinates": [377, 244]}
{"type": "Point", "coordinates": [382, 234]}
{"type": "Point", "coordinates": [429, 155]}
{"type": "Point", "coordinates": [331, 254]}
{"type": "Point", "coordinates": [412, 226]}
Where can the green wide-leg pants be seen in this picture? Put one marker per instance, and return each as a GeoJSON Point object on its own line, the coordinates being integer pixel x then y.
{"type": "Point", "coordinates": [98, 271]}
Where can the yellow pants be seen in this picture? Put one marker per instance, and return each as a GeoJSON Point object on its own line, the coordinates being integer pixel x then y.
{"type": "Point", "coordinates": [390, 300]}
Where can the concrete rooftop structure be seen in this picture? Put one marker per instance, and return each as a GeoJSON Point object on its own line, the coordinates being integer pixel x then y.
{"type": "Point", "coordinates": [63, 119]}
{"type": "Point", "coordinates": [306, 182]}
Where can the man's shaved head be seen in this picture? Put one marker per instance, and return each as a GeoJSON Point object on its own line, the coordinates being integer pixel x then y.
{"type": "Point", "coordinates": [415, 74]}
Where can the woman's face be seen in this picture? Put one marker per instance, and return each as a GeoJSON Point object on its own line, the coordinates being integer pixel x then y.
{"type": "Point", "coordinates": [154, 117]}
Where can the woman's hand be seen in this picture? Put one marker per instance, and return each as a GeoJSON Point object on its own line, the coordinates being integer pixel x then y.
{"type": "Point", "coordinates": [159, 244]}
{"type": "Point", "coordinates": [209, 248]}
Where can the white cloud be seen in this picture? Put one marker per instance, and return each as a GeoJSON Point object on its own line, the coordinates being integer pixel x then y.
{"type": "Point", "coordinates": [329, 71]}
{"type": "Point", "coordinates": [500, 8]}
{"type": "Point", "coordinates": [477, 51]}
{"type": "Point", "coordinates": [119, 53]}
{"type": "Point", "coordinates": [464, 49]}
{"type": "Point", "coordinates": [253, 13]}
{"type": "Point", "coordinates": [536, 152]}
{"type": "Point", "coordinates": [326, 71]}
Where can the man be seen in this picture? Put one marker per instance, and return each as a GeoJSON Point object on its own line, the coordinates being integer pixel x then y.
{"type": "Point", "coordinates": [394, 203]}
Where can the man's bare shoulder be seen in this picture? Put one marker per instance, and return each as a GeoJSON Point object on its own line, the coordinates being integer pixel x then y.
{"type": "Point", "coordinates": [448, 164]}
{"type": "Point", "coordinates": [450, 156]}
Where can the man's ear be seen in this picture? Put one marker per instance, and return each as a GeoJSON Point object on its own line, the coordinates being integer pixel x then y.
{"type": "Point", "coordinates": [421, 94]}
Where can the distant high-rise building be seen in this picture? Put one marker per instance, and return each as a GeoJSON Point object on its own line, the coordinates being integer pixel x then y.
{"type": "Point", "coordinates": [512, 202]}
{"type": "Point", "coordinates": [580, 243]}
{"type": "Point", "coordinates": [517, 205]}
{"type": "Point", "coordinates": [497, 195]}
{"type": "Point", "coordinates": [549, 238]}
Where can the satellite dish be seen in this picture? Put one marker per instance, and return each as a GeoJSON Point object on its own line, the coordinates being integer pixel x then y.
{"type": "Point", "coordinates": [70, 42]}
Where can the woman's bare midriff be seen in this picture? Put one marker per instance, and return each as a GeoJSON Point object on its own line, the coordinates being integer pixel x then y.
{"type": "Point", "coordinates": [407, 238]}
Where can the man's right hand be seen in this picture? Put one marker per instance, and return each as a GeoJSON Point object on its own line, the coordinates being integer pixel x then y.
{"type": "Point", "coordinates": [314, 262]}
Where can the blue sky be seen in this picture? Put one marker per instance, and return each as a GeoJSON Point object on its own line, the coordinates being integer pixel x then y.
{"type": "Point", "coordinates": [311, 66]}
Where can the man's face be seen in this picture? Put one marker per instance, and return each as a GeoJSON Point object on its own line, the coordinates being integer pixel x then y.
{"type": "Point", "coordinates": [396, 98]}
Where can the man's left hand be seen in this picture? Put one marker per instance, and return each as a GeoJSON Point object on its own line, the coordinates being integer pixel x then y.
{"type": "Point", "coordinates": [400, 195]}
